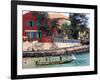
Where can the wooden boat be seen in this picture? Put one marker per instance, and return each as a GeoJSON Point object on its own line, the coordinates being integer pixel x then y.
{"type": "Point", "coordinates": [66, 52]}
{"type": "Point", "coordinates": [68, 59]}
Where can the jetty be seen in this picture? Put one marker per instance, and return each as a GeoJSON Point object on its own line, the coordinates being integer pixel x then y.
{"type": "Point", "coordinates": [56, 52]}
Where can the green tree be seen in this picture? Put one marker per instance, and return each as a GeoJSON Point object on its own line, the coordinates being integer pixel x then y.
{"type": "Point", "coordinates": [66, 30]}
{"type": "Point", "coordinates": [54, 23]}
{"type": "Point", "coordinates": [41, 16]}
{"type": "Point", "coordinates": [79, 22]}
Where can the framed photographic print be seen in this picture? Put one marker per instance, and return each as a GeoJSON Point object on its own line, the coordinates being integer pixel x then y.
{"type": "Point", "coordinates": [53, 39]}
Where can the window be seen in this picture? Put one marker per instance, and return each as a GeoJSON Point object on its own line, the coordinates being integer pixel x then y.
{"type": "Point", "coordinates": [38, 24]}
{"type": "Point", "coordinates": [39, 35]}
{"type": "Point", "coordinates": [47, 24]}
{"type": "Point", "coordinates": [30, 34]}
{"type": "Point", "coordinates": [30, 23]}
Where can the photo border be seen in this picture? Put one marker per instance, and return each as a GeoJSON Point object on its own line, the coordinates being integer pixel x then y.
{"type": "Point", "coordinates": [14, 39]}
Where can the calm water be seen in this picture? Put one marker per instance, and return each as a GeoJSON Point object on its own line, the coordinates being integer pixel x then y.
{"type": "Point", "coordinates": [82, 59]}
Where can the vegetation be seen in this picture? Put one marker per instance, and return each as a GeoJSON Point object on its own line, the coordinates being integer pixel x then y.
{"type": "Point", "coordinates": [78, 24]}
{"type": "Point", "coordinates": [66, 29]}
{"type": "Point", "coordinates": [41, 16]}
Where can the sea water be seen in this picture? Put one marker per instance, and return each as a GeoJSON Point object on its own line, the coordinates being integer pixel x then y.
{"type": "Point", "coordinates": [82, 59]}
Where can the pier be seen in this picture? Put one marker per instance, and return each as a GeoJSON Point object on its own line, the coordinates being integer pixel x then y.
{"type": "Point", "coordinates": [57, 52]}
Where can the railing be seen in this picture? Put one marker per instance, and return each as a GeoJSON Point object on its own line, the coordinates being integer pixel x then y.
{"type": "Point", "coordinates": [66, 40]}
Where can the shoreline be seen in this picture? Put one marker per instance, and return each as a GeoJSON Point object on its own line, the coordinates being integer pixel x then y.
{"type": "Point", "coordinates": [29, 62]}
{"type": "Point", "coordinates": [57, 52]}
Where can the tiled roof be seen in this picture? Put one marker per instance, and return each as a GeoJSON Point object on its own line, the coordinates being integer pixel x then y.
{"type": "Point", "coordinates": [52, 15]}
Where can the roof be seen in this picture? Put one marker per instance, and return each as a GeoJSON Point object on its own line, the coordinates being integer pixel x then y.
{"type": "Point", "coordinates": [52, 15]}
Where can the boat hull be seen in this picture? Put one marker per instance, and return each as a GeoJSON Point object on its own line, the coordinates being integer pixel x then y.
{"type": "Point", "coordinates": [60, 60]}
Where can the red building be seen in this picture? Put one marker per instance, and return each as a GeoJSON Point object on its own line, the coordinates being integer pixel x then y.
{"type": "Point", "coordinates": [31, 27]}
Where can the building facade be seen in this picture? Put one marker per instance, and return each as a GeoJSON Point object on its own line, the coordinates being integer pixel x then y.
{"type": "Point", "coordinates": [31, 26]}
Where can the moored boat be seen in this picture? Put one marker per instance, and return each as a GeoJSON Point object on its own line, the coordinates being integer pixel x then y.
{"type": "Point", "coordinates": [53, 60]}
